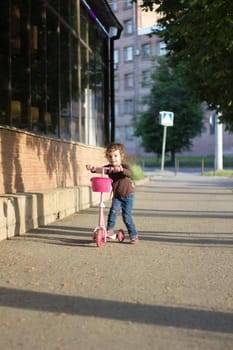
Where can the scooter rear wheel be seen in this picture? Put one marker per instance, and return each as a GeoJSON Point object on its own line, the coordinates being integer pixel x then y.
{"type": "Point", "coordinates": [99, 237]}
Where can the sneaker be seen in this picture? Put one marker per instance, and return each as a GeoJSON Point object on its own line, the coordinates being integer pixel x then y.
{"type": "Point", "coordinates": [120, 235]}
{"type": "Point", "coordinates": [134, 240]}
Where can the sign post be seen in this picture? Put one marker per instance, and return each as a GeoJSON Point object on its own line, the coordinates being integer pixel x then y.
{"type": "Point", "coordinates": [165, 119]}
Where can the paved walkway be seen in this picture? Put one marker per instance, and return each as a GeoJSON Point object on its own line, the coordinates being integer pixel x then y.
{"type": "Point", "coordinates": [174, 290]}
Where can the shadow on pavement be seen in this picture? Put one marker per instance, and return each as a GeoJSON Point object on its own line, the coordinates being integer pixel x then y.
{"type": "Point", "coordinates": [189, 238]}
{"type": "Point", "coordinates": [167, 316]}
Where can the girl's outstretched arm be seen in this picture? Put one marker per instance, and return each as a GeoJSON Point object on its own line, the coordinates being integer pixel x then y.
{"type": "Point", "coordinates": [98, 169]}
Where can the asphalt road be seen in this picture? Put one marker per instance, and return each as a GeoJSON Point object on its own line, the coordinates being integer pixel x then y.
{"type": "Point", "coordinates": [173, 290]}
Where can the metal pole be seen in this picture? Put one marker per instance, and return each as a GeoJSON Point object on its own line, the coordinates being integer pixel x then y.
{"type": "Point", "coordinates": [164, 146]}
{"type": "Point", "coordinates": [202, 166]}
{"type": "Point", "coordinates": [176, 166]}
{"type": "Point", "coordinates": [218, 144]}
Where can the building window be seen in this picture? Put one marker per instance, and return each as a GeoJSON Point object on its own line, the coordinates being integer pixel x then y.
{"type": "Point", "coordinates": [116, 83]}
{"type": "Point", "coordinates": [146, 78]}
{"type": "Point", "coordinates": [129, 133]}
{"type": "Point", "coordinates": [117, 109]}
{"type": "Point", "coordinates": [113, 4]}
{"type": "Point", "coordinates": [128, 80]}
{"type": "Point", "coordinates": [128, 27]}
{"type": "Point", "coordinates": [128, 53]}
{"type": "Point", "coordinates": [116, 58]}
{"type": "Point", "coordinates": [161, 48]}
{"type": "Point", "coordinates": [144, 104]}
{"type": "Point", "coordinates": [128, 4]}
{"type": "Point", "coordinates": [128, 106]}
{"type": "Point", "coordinates": [118, 137]}
{"type": "Point", "coordinates": [146, 51]}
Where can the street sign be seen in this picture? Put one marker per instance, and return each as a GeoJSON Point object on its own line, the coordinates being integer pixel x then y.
{"type": "Point", "coordinates": [166, 118]}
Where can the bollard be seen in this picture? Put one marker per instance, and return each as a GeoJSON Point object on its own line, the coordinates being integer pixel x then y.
{"type": "Point", "coordinates": [176, 166]}
{"type": "Point", "coordinates": [202, 166]}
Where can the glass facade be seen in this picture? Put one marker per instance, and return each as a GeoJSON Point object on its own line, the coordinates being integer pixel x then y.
{"type": "Point", "coordinates": [54, 70]}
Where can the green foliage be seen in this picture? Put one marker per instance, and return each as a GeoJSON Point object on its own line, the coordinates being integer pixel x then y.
{"type": "Point", "coordinates": [137, 171]}
{"type": "Point", "coordinates": [218, 173]}
{"type": "Point", "coordinates": [184, 162]}
{"type": "Point", "coordinates": [200, 33]}
{"type": "Point", "coordinates": [169, 91]}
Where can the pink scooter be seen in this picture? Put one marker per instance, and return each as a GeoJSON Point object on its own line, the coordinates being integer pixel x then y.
{"type": "Point", "coordinates": [102, 185]}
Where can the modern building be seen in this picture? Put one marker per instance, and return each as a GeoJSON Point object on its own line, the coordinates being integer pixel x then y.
{"type": "Point", "coordinates": [56, 105]}
{"type": "Point", "coordinates": [133, 65]}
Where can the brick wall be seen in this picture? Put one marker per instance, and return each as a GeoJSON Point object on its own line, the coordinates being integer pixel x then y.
{"type": "Point", "coordinates": [33, 163]}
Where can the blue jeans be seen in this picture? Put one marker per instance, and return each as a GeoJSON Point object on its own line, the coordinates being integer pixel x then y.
{"type": "Point", "coordinates": [126, 205]}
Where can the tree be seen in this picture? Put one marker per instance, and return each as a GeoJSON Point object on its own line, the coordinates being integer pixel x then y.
{"type": "Point", "coordinates": [199, 33]}
{"type": "Point", "coordinates": [169, 92]}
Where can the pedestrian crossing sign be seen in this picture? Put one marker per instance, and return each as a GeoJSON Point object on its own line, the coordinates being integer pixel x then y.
{"type": "Point", "coordinates": [166, 118]}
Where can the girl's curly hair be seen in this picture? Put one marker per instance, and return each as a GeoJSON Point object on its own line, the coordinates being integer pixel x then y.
{"type": "Point", "coordinates": [114, 147]}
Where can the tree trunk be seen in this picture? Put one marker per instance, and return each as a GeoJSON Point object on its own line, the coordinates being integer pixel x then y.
{"type": "Point", "coordinates": [173, 156]}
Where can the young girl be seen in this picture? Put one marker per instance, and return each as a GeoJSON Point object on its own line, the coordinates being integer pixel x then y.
{"type": "Point", "coordinates": [123, 190]}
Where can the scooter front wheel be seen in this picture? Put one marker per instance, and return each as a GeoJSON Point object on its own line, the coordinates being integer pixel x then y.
{"type": "Point", "coordinates": [99, 237]}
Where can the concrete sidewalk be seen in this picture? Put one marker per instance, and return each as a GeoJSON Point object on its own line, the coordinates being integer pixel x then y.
{"type": "Point", "coordinates": [173, 290]}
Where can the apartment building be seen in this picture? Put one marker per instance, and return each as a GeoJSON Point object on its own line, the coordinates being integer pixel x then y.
{"type": "Point", "coordinates": [133, 64]}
